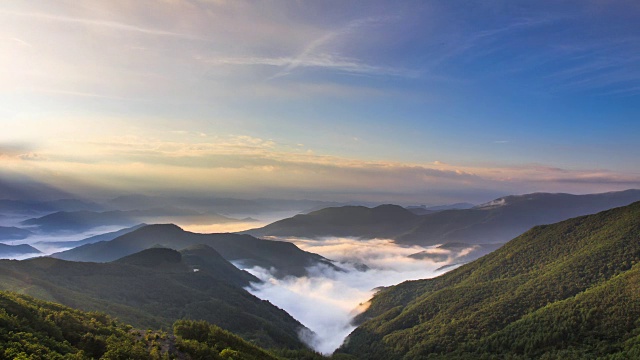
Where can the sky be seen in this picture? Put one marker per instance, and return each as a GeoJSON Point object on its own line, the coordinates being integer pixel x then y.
{"type": "Point", "coordinates": [406, 101]}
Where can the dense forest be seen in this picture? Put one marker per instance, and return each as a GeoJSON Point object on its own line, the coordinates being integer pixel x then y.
{"type": "Point", "coordinates": [156, 287]}
{"type": "Point", "coordinates": [34, 329]}
{"type": "Point", "coordinates": [568, 290]}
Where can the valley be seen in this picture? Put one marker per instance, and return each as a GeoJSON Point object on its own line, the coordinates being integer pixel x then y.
{"type": "Point", "coordinates": [321, 288]}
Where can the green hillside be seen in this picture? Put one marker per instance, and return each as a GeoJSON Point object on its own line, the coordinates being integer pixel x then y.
{"type": "Point", "coordinates": [567, 290]}
{"type": "Point", "coordinates": [154, 288]}
{"type": "Point", "coordinates": [34, 329]}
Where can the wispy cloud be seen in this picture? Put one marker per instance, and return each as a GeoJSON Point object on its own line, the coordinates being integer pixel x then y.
{"type": "Point", "coordinates": [253, 165]}
{"type": "Point", "coordinates": [21, 42]}
{"type": "Point", "coordinates": [309, 55]}
{"type": "Point", "coordinates": [99, 23]}
{"type": "Point", "coordinates": [321, 61]}
{"type": "Point", "coordinates": [319, 54]}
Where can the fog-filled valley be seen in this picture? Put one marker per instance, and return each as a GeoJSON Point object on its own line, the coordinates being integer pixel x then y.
{"type": "Point", "coordinates": [319, 262]}
{"type": "Point", "coordinates": [328, 299]}
{"type": "Point", "coordinates": [312, 180]}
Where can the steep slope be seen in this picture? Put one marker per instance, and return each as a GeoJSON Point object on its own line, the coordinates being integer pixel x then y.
{"type": "Point", "coordinates": [37, 329]}
{"type": "Point", "coordinates": [204, 258]}
{"type": "Point", "coordinates": [285, 258]}
{"type": "Point", "coordinates": [154, 288]}
{"type": "Point", "coordinates": [358, 221]}
{"type": "Point", "coordinates": [568, 290]}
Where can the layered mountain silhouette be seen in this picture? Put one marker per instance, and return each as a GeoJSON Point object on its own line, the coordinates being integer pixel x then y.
{"type": "Point", "coordinates": [495, 222]}
{"type": "Point", "coordinates": [13, 233]}
{"type": "Point", "coordinates": [155, 287]}
{"type": "Point", "coordinates": [7, 251]}
{"type": "Point", "coordinates": [206, 205]}
{"type": "Point", "coordinates": [80, 221]}
{"type": "Point", "coordinates": [39, 207]}
{"type": "Point", "coordinates": [92, 239]}
{"type": "Point", "coordinates": [424, 210]}
{"type": "Point", "coordinates": [567, 290]}
{"type": "Point", "coordinates": [384, 221]}
{"type": "Point", "coordinates": [282, 257]}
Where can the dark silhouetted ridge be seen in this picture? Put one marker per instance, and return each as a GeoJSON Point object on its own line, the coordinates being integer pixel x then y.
{"type": "Point", "coordinates": [284, 257]}
{"type": "Point", "coordinates": [353, 221]}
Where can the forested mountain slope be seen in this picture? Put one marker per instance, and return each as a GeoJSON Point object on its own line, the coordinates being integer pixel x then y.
{"type": "Point", "coordinates": [285, 258]}
{"type": "Point", "coordinates": [154, 288]}
{"type": "Point", "coordinates": [567, 290]}
{"type": "Point", "coordinates": [34, 329]}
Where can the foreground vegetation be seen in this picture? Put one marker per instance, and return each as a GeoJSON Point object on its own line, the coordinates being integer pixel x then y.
{"type": "Point", "coordinates": [35, 329]}
{"type": "Point", "coordinates": [156, 287]}
{"type": "Point", "coordinates": [569, 290]}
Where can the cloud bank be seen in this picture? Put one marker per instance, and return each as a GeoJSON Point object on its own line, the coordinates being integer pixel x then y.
{"type": "Point", "coordinates": [327, 300]}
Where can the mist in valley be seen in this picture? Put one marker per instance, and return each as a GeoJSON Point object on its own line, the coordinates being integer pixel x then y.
{"type": "Point", "coordinates": [327, 300]}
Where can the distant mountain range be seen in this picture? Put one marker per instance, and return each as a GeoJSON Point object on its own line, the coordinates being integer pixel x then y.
{"type": "Point", "coordinates": [384, 221]}
{"type": "Point", "coordinates": [495, 222]}
{"type": "Point", "coordinates": [13, 233]}
{"type": "Point", "coordinates": [568, 290]}
{"type": "Point", "coordinates": [78, 221]}
{"type": "Point", "coordinates": [92, 239]}
{"type": "Point", "coordinates": [424, 210]}
{"type": "Point", "coordinates": [8, 251]}
{"type": "Point", "coordinates": [247, 251]}
{"type": "Point", "coordinates": [81, 221]}
{"type": "Point", "coordinates": [206, 204]}
{"type": "Point", "coordinates": [38, 207]}
{"type": "Point", "coordinates": [155, 287]}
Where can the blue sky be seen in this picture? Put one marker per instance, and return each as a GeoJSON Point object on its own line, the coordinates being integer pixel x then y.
{"type": "Point", "coordinates": [408, 101]}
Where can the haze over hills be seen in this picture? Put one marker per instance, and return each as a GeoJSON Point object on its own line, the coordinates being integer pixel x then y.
{"type": "Point", "coordinates": [30, 207]}
{"type": "Point", "coordinates": [206, 204]}
{"type": "Point", "coordinates": [8, 251]}
{"type": "Point", "coordinates": [80, 221]}
{"type": "Point", "coordinates": [383, 221]}
{"type": "Point", "coordinates": [567, 290]}
{"type": "Point", "coordinates": [247, 251]}
{"type": "Point", "coordinates": [13, 233]}
{"type": "Point", "coordinates": [155, 287]}
{"type": "Point", "coordinates": [495, 222]}
{"type": "Point", "coordinates": [423, 210]}
{"type": "Point", "coordinates": [306, 155]}
{"type": "Point", "coordinates": [92, 239]}
{"type": "Point", "coordinates": [505, 218]}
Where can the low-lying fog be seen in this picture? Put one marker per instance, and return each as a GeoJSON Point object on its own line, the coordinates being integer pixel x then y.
{"type": "Point", "coordinates": [327, 300]}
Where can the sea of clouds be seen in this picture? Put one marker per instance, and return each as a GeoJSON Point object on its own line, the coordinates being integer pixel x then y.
{"type": "Point", "coordinates": [327, 300]}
